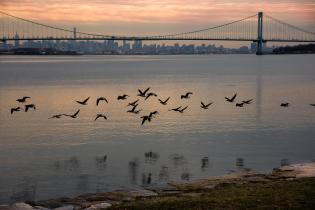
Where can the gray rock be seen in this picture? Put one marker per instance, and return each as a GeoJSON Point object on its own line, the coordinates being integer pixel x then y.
{"type": "Point", "coordinates": [65, 208]}
{"type": "Point", "coordinates": [17, 206]}
{"type": "Point", "coordinates": [142, 193]}
{"type": "Point", "coordinates": [99, 206]}
{"type": "Point", "coordinates": [41, 208]}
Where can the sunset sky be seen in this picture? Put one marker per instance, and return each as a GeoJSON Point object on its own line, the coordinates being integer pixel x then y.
{"type": "Point", "coordinates": [155, 16]}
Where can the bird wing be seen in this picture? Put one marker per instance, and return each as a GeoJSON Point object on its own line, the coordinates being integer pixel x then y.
{"type": "Point", "coordinates": [134, 108]}
{"type": "Point", "coordinates": [98, 100]}
{"type": "Point", "coordinates": [97, 116]}
{"type": "Point", "coordinates": [146, 90]}
{"type": "Point", "coordinates": [184, 109]}
{"type": "Point", "coordinates": [209, 104]}
{"type": "Point", "coordinates": [77, 112]}
{"type": "Point", "coordinates": [167, 99]}
{"type": "Point", "coordinates": [26, 108]}
{"type": "Point", "coordinates": [86, 100]}
{"type": "Point", "coordinates": [234, 97]}
{"type": "Point", "coordinates": [203, 104]}
{"type": "Point", "coordinates": [143, 120]}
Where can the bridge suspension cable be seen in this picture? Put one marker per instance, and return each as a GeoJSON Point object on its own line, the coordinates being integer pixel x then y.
{"type": "Point", "coordinates": [277, 30]}
{"type": "Point", "coordinates": [248, 26]}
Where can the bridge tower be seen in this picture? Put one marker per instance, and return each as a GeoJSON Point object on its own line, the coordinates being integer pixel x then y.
{"type": "Point", "coordinates": [74, 33]}
{"type": "Point", "coordinates": [260, 34]}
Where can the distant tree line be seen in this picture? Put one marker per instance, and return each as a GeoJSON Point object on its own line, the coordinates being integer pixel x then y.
{"type": "Point", "coordinates": [298, 49]}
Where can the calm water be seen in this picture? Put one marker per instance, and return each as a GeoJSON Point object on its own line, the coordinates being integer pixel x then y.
{"type": "Point", "coordinates": [42, 158]}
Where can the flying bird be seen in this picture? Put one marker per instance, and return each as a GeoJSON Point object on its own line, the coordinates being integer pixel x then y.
{"type": "Point", "coordinates": [183, 109]}
{"type": "Point", "coordinates": [231, 99]}
{"type": "Point", "coordinates": [17, 109]}
{"type": "Point", "coordinates": [175, 109]}
{"type": "Point", "coordinates": [133, 110]}
{"type": "Point", "coordinates": [133, 103]}
{"type": "Point", "coordinates": [122, 97]}
{"type": "Point", "coordinates": [22, 100]}
{"type": "Point", "coordinates": [248, 101]}
{"type": "Point", "coordinates": [57, 116]}
{"type": "Point", "coordinates": [101, 99]}
{"type": "Point", "coordinates": [164, 102]}
{"type": "Point", "coordinates": [73, 115]}
{"type": "Point", "coordinates": [205, 106]}
{"type": "Point", "coordinates": [150, 94]}
{"type": "Point", "coordinates": [142, 93]}
{"type": "Point", "coordinates": [186, 95]}
{"type": "Point", "coordinates": [285, 104]}
{"type": "Point", "coordinates": [145, 118]}
{"type": "Point", "coordinates": [153, 113]}
{"type": "Point", "coordinates": [84, 102]}
{"type": "Point", "coordinates": [100, 115]}
{"type": "Point", "coordinates": [30, 106]}
{"type": "Point", "coordinates": [239, 104]}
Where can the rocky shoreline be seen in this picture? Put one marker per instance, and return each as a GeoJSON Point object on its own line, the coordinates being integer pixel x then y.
{"type": "Point", "coordinates": [98, 201]}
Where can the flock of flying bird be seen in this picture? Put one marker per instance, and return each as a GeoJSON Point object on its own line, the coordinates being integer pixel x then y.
{"type": "Point", "coordinates": [144, 94]}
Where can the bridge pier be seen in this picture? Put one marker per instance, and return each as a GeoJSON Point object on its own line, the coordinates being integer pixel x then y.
{"type": "Point", "coordinates": [259, 50]}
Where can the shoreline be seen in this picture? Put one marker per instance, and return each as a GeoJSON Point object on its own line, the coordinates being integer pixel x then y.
{"type": "Point", "coordinates": [121, 199]}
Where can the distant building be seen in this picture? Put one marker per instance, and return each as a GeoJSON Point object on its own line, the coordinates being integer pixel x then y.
{"type": "Point", "coordinates": [16, 41]}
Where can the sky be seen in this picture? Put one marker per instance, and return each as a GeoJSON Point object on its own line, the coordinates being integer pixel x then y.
{"type": "Point", "coordinates": [147, 17]}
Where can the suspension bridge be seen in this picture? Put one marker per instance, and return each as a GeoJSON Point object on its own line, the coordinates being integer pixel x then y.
{"type": "Point", "coordinates": [259, 28]}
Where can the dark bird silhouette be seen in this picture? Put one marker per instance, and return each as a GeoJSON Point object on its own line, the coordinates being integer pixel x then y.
{"type": "Point", "coordinates": [123, 97]}
{"type": "Point", "coordinates": [312, 104]}
{"type": "Point", "coordinates": [231, 99]}
{"type": "Point", "coordinates": [205, 106]}
{"type": "Point", "coordinates": [100, 115]}
{"type": "Point", "coordinates": [186, 95]}
{"type": "Point", "coordinates": [164, 102]}
{"type": "Point", "coordinates": [150, 94]}
{"type": "Point", "coordinates": [57, 116]}
{"type": "Point", "coordinates": [101, 99]}
{"type": "Point", "coordinates": [22, 100]}
{"type": "Point", "coordinates": [142, 93]}
{"type": "Point", "coordinates": [133, 110]}
{"type": "Point", "coordinates": [73, 115]}
{"type": "Point", "coordinates": [84, 102]}
{"type": "Point", "coordinates": [285, 104]}
{"type": "Point", "coordinates": [133, 103]}
{"type": "Point", "coordinates": [248, 101]}
{"type": "Point", "coordinates": [239, 104]}
{"type": "Point", "coordinates": [17, 109]}
{"type": "Point", "coordinates": [175, 109]}
{"type": "Point", "coordinates": [183, 109]}
{"type": "Point", "coordinates": [146, 118]}
{"type": "Point", "coordinates": [30, 106]}
{"type": "Point", "coordinates": [153, 113]}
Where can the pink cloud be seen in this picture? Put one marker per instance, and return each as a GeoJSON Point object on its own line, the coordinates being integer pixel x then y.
{"type": "Point", "coordinates": [202, 12]}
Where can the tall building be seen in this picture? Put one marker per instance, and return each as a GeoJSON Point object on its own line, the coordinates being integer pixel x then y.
{"type": "Point", "coordinates": [16, 41]}
{"type": "Point", "coordinates": [137, 45]}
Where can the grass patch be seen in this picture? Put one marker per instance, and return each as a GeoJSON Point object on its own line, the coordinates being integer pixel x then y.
{"type": "Point", "coordinates": [294, 194]}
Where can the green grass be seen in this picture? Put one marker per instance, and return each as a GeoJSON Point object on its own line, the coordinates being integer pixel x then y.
{"type": "Point", "coordinates": [295, 194]}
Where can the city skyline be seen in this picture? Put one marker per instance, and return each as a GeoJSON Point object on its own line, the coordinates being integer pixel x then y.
{"type": "Point", "coordinates": [155, 17]}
